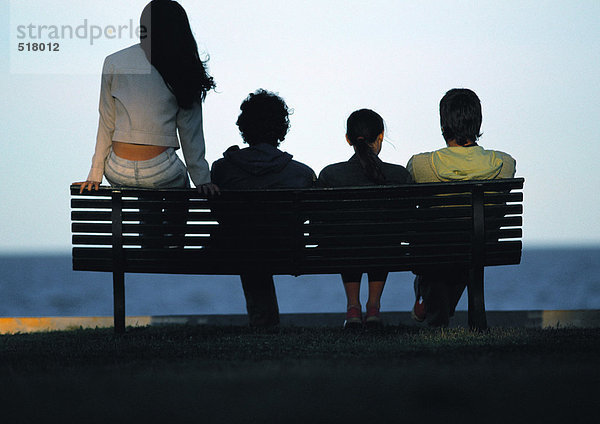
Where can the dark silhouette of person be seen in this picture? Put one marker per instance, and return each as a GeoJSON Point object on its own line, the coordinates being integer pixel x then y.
{"type": "Point", "coordinates": [364, 132]}
{"type": "Point", "coordinates": [263, 124]}
{"type": "Point", "coordinates": [438, 292]}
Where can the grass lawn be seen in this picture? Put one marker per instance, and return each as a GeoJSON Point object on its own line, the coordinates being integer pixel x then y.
{"type": "Point", "coordinates": [211, 374]}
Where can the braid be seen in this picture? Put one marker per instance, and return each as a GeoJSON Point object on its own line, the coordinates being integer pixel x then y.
{"type": "Point", "coordinates": [368, 160]}
{"type": "Point", "coordinates": [362, 129]}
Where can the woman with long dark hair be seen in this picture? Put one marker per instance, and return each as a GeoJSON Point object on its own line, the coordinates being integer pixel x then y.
{"type": "Point", "coordinates": [151, 92]}
{"type": "Point", "coordinates": [364, 132]}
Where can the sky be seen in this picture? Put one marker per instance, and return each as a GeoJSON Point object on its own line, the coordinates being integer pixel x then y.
{"type": "Point", "coordinates": [534, 65]}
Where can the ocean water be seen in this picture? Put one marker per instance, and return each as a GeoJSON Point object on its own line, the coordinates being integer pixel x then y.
{"type": "Point", "coordinates": [30, 286]}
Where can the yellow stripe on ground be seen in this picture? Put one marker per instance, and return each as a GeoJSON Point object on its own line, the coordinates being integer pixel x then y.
{"type": "Point", "coordinates": [30, 325]}
{"type": "Point", "coordinates": [529, 319]}
{"type": "Point", "coordinates": [574, 318]}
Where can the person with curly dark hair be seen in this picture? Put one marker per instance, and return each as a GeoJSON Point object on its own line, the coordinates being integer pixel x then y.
{"type": "Point", "coordinates": [263, 124]}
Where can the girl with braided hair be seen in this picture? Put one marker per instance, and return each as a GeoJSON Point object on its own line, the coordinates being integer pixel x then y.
{"type": "Point", "coordinates": [364, 132]}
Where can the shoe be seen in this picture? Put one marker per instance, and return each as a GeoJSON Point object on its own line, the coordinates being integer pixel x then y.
{"type": "Point", "coordinates": [353, 318]}
{"type": "Point", "coordinates": [418, 311]}
{"type": "Point", "coordinates": [373, 320]}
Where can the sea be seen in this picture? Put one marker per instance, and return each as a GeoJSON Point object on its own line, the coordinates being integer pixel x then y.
{"type": "Point", "coordinates": [46, 286]}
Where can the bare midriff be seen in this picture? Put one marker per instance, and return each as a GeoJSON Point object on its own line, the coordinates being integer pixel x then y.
{"type": "Point", "coordinates": [136, 151]}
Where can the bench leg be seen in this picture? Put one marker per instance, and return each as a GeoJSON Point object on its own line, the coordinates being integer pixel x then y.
{"type": "Point", "coordinates": [477, 318]}
{"type": "Point", "coordinates": [119, 301]}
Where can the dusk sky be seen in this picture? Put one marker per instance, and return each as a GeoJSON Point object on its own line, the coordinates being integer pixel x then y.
{"type": "Point", "coordinates": [534, 65]}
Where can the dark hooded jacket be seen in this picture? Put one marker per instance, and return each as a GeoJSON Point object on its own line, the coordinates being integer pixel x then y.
{"type": "Point", "coordinates": [261, 166]}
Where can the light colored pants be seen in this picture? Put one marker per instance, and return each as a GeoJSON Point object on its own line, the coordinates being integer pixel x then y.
{"type": "Point", "coordinates": [164, 171]}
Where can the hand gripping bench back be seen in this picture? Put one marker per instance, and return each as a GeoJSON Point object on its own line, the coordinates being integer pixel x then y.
{"type": "Point", "coordinates": [309, 231]}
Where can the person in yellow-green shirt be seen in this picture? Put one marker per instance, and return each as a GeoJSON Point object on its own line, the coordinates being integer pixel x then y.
{"type": "Point", "coordinates": [438, 293]}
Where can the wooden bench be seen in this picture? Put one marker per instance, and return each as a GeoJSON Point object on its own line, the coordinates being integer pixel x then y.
{"type": "Point", "coordinates": [309, 231]}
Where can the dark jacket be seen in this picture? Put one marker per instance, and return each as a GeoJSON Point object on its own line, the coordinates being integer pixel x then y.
{"type": "Point", "coordinates": [260, 166]}
{"type": "Point", "coordinates": [351, 173]}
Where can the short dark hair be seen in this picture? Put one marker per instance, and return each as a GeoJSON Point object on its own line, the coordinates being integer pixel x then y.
{"type": "Point", "coordinates": [264, 118]}
{"type": "Point", "coordinates": [460, 116]}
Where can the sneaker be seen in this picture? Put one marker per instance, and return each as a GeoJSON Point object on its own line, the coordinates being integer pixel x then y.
{"type": "Point", "coordinates": [373, 320]}
{"type": "Point", "coordinates": [418, 311]}
{"type": "Point", "coordinates": [353, 318]}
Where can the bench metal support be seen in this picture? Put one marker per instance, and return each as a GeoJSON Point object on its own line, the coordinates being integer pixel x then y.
{"type": "Point", "coordinates": [477, 319]}
{"type": "Point", "coordinates": [118, 262]}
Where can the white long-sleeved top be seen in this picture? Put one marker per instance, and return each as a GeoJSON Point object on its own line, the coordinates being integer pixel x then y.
{"type": "Point", "coordinates": [137, 107]}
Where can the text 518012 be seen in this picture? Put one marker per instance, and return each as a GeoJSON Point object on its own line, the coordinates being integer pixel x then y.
{"type": "Point", "coordinates": [38, 47]}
